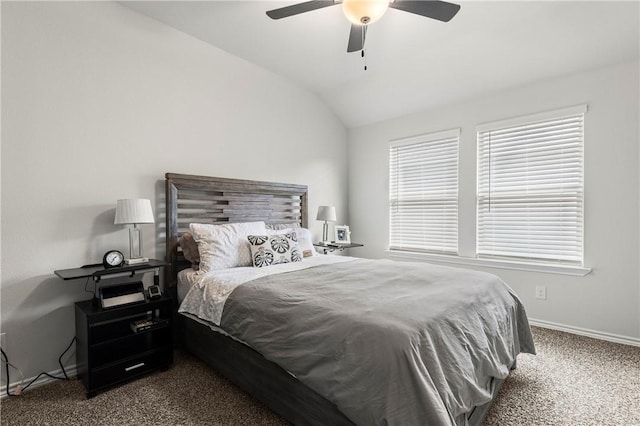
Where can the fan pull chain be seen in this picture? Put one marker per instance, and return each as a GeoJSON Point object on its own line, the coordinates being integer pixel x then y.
{"type": "Point", "coordinates": [364, 57]}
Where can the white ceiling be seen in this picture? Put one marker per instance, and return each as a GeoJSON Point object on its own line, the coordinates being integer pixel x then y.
{"type": "Point", "coordinates": [413, 62]}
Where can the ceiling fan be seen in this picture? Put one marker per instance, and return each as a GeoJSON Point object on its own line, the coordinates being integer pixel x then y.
{"type": "Point", "coordinates": [362, 13]}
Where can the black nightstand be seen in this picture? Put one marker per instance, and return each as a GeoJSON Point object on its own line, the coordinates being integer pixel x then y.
{"type": "Point", "coordinates": [331, 247]}
{"type": "Point", "coordinates": [109, 351]}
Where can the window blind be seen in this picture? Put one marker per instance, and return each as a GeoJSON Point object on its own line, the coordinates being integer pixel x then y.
{"type": "Point", "coordinates": [423, 193]}
{"type": "Point", "coordinates": [530, 187]}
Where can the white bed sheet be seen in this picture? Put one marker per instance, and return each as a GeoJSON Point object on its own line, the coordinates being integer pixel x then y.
{"type": "Point", "coordinates": [206, 293]}
{"type": "Point", "coordinates": [187, 278]}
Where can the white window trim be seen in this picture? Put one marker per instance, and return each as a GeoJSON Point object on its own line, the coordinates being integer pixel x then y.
{"type": "Point", "coordinates": [522, 264]}
{"type": "Point", "coordinates": [423, 138]}
{"type": "Point", "coordinates": [551, 268]}
{"type": "Point", "coordinates": [524, 119]}
{"type": "Point", "coordinates": [560, 269]}
{"type": "Point", "coordinates": [427, 137]}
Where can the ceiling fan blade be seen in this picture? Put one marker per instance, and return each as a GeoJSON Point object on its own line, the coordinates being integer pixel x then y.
{"type": "Point", "coordinates": [356, 38]}
{"type": "Point", "coordinates": [440, 10]}
{"type": "Point", "coordinates": [296, 9]}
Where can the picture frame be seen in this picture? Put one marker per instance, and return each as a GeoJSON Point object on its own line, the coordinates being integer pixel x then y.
{"type": "Point", "coordinates": [342, 234]}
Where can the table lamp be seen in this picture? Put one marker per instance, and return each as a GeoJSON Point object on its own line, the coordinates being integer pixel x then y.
{"type": "Point", "coordinates": [326, 213]}
{"type": "Point", "coordinates": [134, 212]}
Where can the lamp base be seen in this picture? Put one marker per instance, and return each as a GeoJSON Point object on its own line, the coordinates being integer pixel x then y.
{"type": "Point", "coordinates": [136, 261]}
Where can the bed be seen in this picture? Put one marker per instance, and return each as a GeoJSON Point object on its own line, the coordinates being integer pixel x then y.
{"type": "Point", "coordinates": [314, 383]}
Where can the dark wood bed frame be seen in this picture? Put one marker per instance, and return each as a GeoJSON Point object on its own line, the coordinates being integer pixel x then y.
{"type": "Point", "coordinates": [214, 200]}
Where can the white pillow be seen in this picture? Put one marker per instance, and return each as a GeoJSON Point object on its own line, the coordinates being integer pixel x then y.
{"type": "Point", "coordinates": [225, 246]}
{"type": "Point", "coordinates": [267, 250]}
{"type": "Point", "coordinates": [305, 239]}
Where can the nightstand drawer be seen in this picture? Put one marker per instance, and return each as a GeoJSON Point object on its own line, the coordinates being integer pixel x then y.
{"type": "Point", "coordinates": [129, 369]}
{"type": "Point", "coordinates": [129, 346]}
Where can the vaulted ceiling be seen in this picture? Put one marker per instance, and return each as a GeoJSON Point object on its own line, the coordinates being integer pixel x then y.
{"type": "Point", "coordinates": [413, 62]}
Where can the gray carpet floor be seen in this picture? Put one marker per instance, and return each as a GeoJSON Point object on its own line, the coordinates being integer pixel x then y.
{"type": "Point", "coordinates": [573, 380]}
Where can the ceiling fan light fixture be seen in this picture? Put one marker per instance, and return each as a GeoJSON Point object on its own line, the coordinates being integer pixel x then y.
{"type": "Point", "coordinates": [364, 12]}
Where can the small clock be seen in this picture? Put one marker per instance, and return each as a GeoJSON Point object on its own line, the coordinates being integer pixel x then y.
{"type": "Point", "coordinates": [113, 259]}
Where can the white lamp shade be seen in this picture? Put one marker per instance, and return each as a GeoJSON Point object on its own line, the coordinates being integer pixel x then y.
{"type": "Point", "coordinates": [133, 211]}
{"type": "Point", "coordinates": [326, 213]}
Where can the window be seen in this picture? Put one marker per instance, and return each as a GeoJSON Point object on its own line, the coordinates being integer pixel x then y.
{"type": "Point", "coordinates": [530, 188]}
{"type": "Point", "coordinates": [423, 193]}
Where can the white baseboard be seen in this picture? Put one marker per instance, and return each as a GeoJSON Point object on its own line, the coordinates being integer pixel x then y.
{"type": "Point", "coordinates": [44, 379]}
{"type": "Point", "coordinates": [610, 337]}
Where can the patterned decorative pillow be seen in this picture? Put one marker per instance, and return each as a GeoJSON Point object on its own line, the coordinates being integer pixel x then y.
{"type": "Point", "coordinates": [267, 250]}
{"type": "Point", "coordinates": [304, 237]}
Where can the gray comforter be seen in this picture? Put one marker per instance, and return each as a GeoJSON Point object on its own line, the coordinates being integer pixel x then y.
{"type": "Point", "coordinates": [388, 342]}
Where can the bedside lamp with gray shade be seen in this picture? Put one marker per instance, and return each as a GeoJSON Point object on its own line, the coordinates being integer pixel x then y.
{"type": "Point", "coordinates": [326, 213]}
{"type": "Point", "coordinates": [134, 212]}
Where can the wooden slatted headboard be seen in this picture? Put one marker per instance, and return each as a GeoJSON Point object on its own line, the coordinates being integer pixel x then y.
{"type": "Point", "coordinates": [202, 199]}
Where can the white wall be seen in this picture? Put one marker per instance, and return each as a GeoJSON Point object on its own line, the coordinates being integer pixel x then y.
{"type": "Point", "coordinates": [98, 102]}
{"type": "Point", "coordinates": [606, 301]}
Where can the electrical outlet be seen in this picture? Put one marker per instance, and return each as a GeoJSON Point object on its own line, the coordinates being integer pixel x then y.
{"type": "Point", "coordinates": [3, 341]}
{"type": "Point", "coordinates": [541, 292]}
